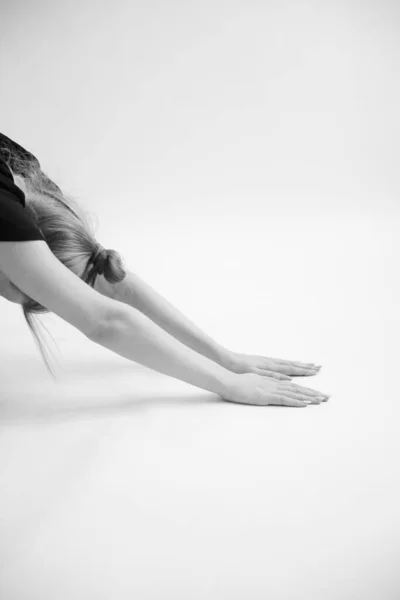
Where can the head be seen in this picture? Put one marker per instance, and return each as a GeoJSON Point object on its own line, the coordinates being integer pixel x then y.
{"type": "Point", "coordinates": [68, 232]}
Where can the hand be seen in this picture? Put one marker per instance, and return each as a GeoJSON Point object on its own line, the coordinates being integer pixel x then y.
{"type": "Point", "coordinates": [262, 391]}
{"type": "Point", "coordinates": [269, 367]}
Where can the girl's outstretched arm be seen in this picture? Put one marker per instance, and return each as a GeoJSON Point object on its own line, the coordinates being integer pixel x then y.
{"type": "Point", "coordinates": [131, 334]}
{"type": "Point", "coordinates": [140, 295]}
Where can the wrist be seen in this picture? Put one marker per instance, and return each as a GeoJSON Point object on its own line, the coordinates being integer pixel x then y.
{"type": "Point", "coordinates": [231, 361]}
{"type": "Point", "coordinates": [227, 383]}
{"type": "Point", "coordinates": [225, 358]}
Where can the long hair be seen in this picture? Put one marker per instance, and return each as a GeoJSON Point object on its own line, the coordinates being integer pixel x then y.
{"type": "Point", "coordinates": [68, 232]}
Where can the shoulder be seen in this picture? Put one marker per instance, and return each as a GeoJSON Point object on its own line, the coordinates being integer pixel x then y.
{"type": "Point", "coordinates": [16, 224]}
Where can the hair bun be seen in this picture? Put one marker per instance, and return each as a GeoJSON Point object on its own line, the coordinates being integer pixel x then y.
{"type": "Point", "coordinates": [99, 259]}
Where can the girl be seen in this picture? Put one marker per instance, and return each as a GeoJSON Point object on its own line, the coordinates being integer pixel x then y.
{"type": "Point", "coordinates": [48, 253]}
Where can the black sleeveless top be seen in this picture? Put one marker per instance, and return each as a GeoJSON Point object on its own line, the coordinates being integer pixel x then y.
{"type": "Point", "coordinates": [16, 225]}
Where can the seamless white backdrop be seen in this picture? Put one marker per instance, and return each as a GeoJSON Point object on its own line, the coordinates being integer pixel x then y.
{"type": "Point", "coordinates": [243, 159]}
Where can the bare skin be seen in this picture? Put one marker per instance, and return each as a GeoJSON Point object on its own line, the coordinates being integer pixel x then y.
{"type": "Point", "coordinates": [257, 380]}
{"type": "Point", "coordinates": [250, 388]}
{"type": "Point", "coordinates": [9, 291]}
{"type": "Point", "coordinates": [277, 368]}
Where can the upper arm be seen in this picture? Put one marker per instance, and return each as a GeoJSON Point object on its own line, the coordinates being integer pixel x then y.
{"type": "Point", "coordinates": [37, 272]}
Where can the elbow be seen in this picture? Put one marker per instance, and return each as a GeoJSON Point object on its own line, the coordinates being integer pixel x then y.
{"type": "Point", "coordinates": [107, 323]}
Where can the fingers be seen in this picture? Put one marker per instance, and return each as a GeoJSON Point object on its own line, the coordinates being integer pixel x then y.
{"type": "Point", "coordinates": [308, 391]}
{"type": "Point", "coordinates": [291, 369]}
{"type": "Point", "coordinates": [286, 372]}
{"type": "Point", "coordinates": [287, 401]}
{"type": "Point", "coordinates": [300, 371]}
{"type": "Point", "coordinates": [294, 387]}
{"type": "Point", "coordinates": [295, 363]}
{"type": "Point", "coordinates": [305, 398]}
{"type": "Point", "coordinates": [274, 375]}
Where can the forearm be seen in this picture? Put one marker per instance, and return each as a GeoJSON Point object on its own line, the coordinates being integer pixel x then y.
{"type": "Point", "coordinates": [132, 335]}
{"type": "Point", "coordinates": [138, 294]}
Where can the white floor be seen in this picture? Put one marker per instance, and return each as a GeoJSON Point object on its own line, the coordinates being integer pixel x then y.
{"type": "Point", "coordinates": [118, 482]}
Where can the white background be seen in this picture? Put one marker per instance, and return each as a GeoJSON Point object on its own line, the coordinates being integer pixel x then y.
{"type": "Point", "coordinates": [243, 158]}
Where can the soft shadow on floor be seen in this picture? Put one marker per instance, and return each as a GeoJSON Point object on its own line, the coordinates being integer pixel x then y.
{"type": "Point", "coordinates": [42, 410]}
